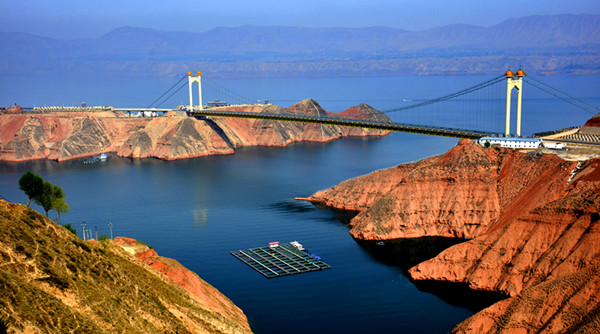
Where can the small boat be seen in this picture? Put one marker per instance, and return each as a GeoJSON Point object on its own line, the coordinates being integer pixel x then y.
{"type": "Point", "coordinates": [95, 158]}
{"type": "Point", "coordinates": [297, 245]}
{"type": "Point", "coordinates": [380, 243]}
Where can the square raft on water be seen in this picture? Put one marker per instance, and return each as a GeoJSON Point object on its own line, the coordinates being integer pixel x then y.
{"type": "Point", "coordinates": [280, 260]}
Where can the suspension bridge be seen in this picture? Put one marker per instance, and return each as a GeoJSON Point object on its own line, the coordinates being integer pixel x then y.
{"type": "Point", "coordinates": [451, 115]}
{"type": "Point", "coordinates": [442, 116]}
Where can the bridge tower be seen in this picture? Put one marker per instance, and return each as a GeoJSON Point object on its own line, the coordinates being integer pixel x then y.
{"type": "Point", "coordinates": [514, 81]}
{"type": "Point", "coordinates": [191, 80]}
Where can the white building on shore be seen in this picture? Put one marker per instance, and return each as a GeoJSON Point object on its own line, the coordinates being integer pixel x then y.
{"type": "Point", "coordinates": [511, 142]}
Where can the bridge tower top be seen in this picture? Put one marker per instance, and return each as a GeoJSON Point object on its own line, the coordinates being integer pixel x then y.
{"type": "Point", "coordinates": [514, 81]}
{"type": "Point", "coordinates": [191, 80]}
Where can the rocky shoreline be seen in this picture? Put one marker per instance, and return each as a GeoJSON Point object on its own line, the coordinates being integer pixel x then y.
{"type": "Point", "coordinates": [531, 220]}
{"type": "Point", "coordinates": [61, 135]}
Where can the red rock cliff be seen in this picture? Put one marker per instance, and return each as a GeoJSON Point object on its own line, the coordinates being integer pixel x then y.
{"type": "Point", "coordinates": [533, 219]}
{"type": "Point", "coordinates": [548, 230]}
{"type": "Point", "coordinates": [69, 135]}
{"type": "Point", "coordinates": [457, 194]}
{"type": "Point", "coordinates": [175, 271]}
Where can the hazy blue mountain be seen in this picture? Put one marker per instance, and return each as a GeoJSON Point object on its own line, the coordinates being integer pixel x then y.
{"type": "Point", "coordinates": [545, 44]}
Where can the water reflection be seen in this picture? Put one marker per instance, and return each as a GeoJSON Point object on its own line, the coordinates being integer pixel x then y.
{"type": "Point", "coordinates": [459, 294]}
{"type": "Point", "coordinates": [200, 217]}
{"type": "Point", "coordinates": [290, 206]}
{"type": "Point", "coordinates": [406, 253]}
{"type": "Point", "coordinates": [43, 165]}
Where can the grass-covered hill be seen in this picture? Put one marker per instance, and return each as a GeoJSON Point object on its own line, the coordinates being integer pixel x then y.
{"type": "Point", "coordinates": [53, 282]}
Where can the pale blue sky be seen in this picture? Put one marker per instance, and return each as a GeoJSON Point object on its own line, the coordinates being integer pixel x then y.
{"type": "Point", "coordinates": [92, 18]}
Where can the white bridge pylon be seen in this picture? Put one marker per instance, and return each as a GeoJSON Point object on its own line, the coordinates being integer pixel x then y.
{"type": "Point", "coordinates": [514, 81]}
{"type": "Point", "coordinates": [191, 80]}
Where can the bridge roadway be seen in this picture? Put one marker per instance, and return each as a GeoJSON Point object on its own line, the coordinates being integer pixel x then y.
{"type": "Point", "coordinates": [144, 109]}
{"type": "Point", "coordinates": [397, 127]}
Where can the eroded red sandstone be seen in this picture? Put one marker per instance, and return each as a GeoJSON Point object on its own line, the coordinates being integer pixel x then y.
{"type": "Point", "coordinates": [533, 219]}
{"type": "Point", "coordinates": [69, 135]}
{"type": "Point", "coordinates": [567, 304]}
{"type": "Point", "coordinates": [16, 109]}
{"type": "Point", "coordinates": [456, 194]}
{"type": "Point", "coordinates": [175, 271]}
{"type": "Point", "coordinates": [592, 126]}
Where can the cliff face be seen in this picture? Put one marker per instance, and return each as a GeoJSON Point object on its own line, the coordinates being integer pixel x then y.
{"type": "Point", "coordinates": [182, 276]}
{"type": "Point", "coordinates": [52, 282]}
{"type": "Point", "coordinates": [562, 305]}
{"type": "Point", "coordinates": [457, 194]}
{"type": "Point", "coordinates": [248, 132]}
{"type": "Point", "coordinates": [549, 230]}
{"type": "Point", "coordinates": [68, 135]}
{"type": "Point", "coordinates": [550, 241]}
{"type": "Point", "coordinates": [533, 220]}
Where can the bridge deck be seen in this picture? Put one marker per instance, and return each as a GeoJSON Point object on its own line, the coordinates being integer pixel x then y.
{"type": "Point", "coordinates": [397, 127]}
{"type": "Point", "coordinates": [144, 109]}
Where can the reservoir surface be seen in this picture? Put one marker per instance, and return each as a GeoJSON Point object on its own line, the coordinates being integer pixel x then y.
{"type": "Point", "coordinates": [198, 210]}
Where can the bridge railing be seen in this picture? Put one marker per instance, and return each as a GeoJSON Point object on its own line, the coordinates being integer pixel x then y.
{"type": "Point", "coordinates": [369, 124]}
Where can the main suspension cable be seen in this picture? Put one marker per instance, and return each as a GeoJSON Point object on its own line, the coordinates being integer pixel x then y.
{"type": "Point", "coordinates": [166, 92]}
{"type": "Point", "coordinates": [439, 99]}
{"type": "Point", "coordinates": [528, 78]}
{"type": "Point", "coordinates": [227, 91]}
{"type": "Point", "coordinates": [173, 93]}
{"type": "Point", "coordinates": [449, 96]}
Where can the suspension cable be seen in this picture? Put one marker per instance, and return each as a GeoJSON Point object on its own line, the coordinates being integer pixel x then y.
{"type": "Point", "coordinates": [450, 96]}
{"type": "Point", "coordinates": [166, 92]}
{"type": "Point", "coordinates": [561, 97]}
{"type": "Point", "coordinates": [439, 99]}
{"type": "Point", "coordinates": [174, 92]}
{"type": "Point", "coordinates": [228, 92]}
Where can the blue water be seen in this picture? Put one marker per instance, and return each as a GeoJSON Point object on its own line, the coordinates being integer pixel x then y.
{"type": "Point", "coordinates": [198, 210]}
{"type": "Point", "coordinates": [485, 108]}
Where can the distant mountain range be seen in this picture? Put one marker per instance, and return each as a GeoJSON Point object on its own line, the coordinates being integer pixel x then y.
{"type": "Point", "coordinates": [541, 44]}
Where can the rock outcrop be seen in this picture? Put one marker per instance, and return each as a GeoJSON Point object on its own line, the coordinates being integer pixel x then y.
{"type": "Point", "coordinates": [53, 282]}
{"type": "Point", "coordinates": [68, 135]}
{"type": "Point", "coordinates": [592, 126]}
{"type": "Point", "coordinates": [457, 194]}
{"type": "Point", "coordinates": [568, 304]}
{"type": "Point", "coordinates": [532, 219]}
{"type": "Point", "coordinates": [15, 109]}
{"type": "Point", "coordinates": [549, 241]}
{"type": "Point", "coordinates": [182, 276]}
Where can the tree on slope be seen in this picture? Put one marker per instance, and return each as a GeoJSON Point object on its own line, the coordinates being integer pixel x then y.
{"type": "Point", "coordinates": [49, 195]}
{"type": "Point", "coordinates": [60, 206]}
{"type": "Point", "coordinates": [32, 185]}
{"type": "Point", "coordinates": [71, 229]}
